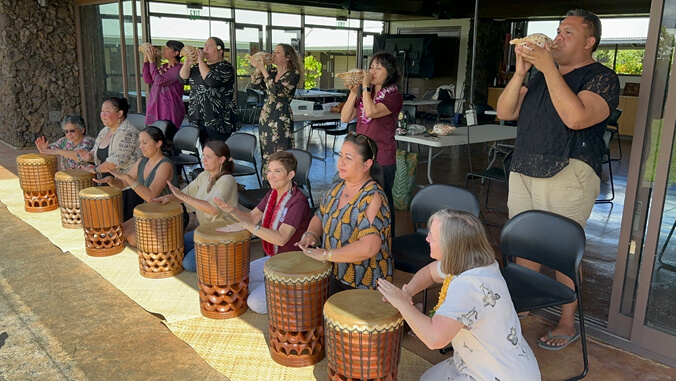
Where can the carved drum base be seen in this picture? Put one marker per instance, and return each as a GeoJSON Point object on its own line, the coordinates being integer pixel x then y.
{"type": "Point", "coordinates": [223, 302]}
{"type": "Point", "coordinates": [40, 201]}
{"type": "Point", "coordinates": [297, 349]}
{"type": "Point", "coordinates": [104, 242]}
{"type": "Point", "coordinates": [71, 218]}
{"type": "Point", "coordinates": [161, 265]}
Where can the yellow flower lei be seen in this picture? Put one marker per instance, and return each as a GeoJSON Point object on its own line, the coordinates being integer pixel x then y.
{"type": "Point", "coordinates": [442, 294]}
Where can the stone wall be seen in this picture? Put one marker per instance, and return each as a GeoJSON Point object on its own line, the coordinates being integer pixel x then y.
{"type": "Point", "coordinates": [38, 70]}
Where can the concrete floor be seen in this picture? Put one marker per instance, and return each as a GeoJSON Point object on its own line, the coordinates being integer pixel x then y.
{"type": "Point", "coordinates": [61, 320]}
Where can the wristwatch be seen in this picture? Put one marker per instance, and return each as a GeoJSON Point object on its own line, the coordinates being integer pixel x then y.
{"type": "Point", "coordinates": [367, 89]}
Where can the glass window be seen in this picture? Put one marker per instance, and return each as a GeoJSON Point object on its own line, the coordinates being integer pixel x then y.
{"type": "Point", "coordinates": [285, 19]}
{"type": "Point", "coordinates": [626, 61]}
{"type": "Point", "coordinates": [251, 17]}
{"type": "Point", "coordinates": [373, 26]}
{"type": "Point", "coordinates": [327, 53]}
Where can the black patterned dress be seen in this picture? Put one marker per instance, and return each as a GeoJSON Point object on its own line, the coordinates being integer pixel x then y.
{"type": "Point", "coordinates": [211, 103]}
{"type": "Point", "coordinates": [276, 121]}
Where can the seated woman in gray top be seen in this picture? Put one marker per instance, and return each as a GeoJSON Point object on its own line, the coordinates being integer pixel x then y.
{"type": "Point", "coordinates": [149, 176]}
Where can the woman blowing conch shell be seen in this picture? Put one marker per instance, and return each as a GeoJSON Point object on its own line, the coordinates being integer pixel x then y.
{"type": "Point", "coordinates": [538, 39]}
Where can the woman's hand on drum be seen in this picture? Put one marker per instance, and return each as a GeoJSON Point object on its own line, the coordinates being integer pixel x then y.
{"type": "Point", "coordinates": [318, 254]}
{"type": "Point", "coordinates": [162, 199]}
{"type": "Point", "coordinates": [236, 227]}
{"type": "Point", "coordinates": [223, 205]}
{"type": "Point", "coordinates": [105, 180]}
{"type": "Point", "coordinates": [122, 176]}
{"type": "Point", "coordinates": [306, 240]}
{"type": "Point", "coordinates": [392, 294]}
{"type": "Point", "coordinates": [85, 155]}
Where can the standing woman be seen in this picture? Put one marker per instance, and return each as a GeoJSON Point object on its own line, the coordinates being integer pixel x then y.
{"type": "Point", "coordinates": [376, 110]}
{"type": "Point", "coordinates": [211, 106]}
{"type": "Point", "coordinates": [276, 121]}
{"type": "Point", "coordinates": [352, 226]}
{"type": "Point", "coordinates": [165, 100]}
{"type": "Point", "coordinates": [116, 147]}
{"type": "Point", "coordinates": [148, 177]}
{"type": "Point", "coordinates": [215, 182]}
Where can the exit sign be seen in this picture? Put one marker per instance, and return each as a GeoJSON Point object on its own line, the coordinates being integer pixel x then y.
{"type": "Point", "coordinates": [194, 14]}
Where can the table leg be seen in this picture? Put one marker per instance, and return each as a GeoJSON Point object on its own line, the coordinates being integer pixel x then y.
{"type": "Point", "coordinates": [429, 165]}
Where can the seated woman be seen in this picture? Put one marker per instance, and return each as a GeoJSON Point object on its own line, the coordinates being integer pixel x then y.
{"type": "Point", "coordinates": [279, 220]}
{"type": "Point", "coordinates": [353, 220]}
{"type": "Point", "coordinates": [215, 182]}
{"type": "Point", "coordinates": [116, 148]}
{"type": "Point", "coordinates": [149, 176]}
{"type": "Point", "coordinates": [475, 312]}
{"type": "Point", "coordinates": [73, 127]}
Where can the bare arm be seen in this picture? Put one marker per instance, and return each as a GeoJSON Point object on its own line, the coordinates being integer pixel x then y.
{"type": "Point", "coordinates": [348, 113]}
{"type": "Point", "coordinates": [509, 103]}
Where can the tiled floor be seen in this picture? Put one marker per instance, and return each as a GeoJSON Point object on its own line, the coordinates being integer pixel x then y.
{"type": "Point", "coordinates": [602, 231]}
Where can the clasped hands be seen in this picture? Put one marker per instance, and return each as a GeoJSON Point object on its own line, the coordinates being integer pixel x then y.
{"type": "Point", "coordinates": [397, 297]}
{"type": "Point", "coordinates": [531, 54]}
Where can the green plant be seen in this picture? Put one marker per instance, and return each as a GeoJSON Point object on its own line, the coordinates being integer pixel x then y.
{"type": "Point", "coordinates": [243, 66]}
{"type": "Point", "coordinates": [313, 70]}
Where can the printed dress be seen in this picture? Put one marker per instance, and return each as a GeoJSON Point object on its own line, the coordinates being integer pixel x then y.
{"type": "Point", "coordinates": [344, 226]}
{"type": "Point", "coordinates": [211, 97]}
{"type": "Point", "coordinates": [63, 143]}
{"type": "Point", "coordinates": [276, 121]}
{"type": "Point", "coordinates": [490, 346]}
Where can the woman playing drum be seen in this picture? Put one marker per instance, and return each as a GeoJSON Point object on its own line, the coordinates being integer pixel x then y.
{"type": "Point", "coordinates": [148, 177]}
{"type": "Point", "coordinates": [215, 182]}
{"type": "Point", "coordinates": [353, 221]}
{"type": "Point", "coordinates": [475, 311]}
{"type": "Point", "coordinates": [279, 220]}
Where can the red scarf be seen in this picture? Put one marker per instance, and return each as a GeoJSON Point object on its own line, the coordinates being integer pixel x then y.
{"type": "Point", "coordinates": [271, 217]}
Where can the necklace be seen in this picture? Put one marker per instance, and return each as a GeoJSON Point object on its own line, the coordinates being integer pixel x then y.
{"type": "Point", "coordinates": [442, 294]}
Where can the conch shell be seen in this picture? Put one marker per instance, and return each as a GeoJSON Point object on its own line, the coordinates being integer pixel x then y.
{"type": "Point", "coordinates": [144, 47]}
{"type": "Point", "coordinates": [352, 77]}
{"type": "Point", "coordinates": [442, 129]}
{"type": "Point", "coordinates": [189, 52]}
{"type": "Point", "coordinates": [260, 56]}
{"type": "Point", "coordinates": [538, 39]}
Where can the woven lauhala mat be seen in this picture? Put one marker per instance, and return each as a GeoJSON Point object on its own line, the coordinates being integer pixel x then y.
{"type": "Point", "coordinates": [175, 298]}
{"type": "Point", "coordinates": [238, 348]}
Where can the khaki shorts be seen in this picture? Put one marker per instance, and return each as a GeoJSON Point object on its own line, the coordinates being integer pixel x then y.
{"type": "Point", "coordinates": [570, 193]}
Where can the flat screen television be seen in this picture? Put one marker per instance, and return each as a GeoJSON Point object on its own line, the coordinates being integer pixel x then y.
{"type": "Point", "coordinates": [421, 55]}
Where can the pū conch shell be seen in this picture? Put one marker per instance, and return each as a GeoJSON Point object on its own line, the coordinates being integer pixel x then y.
{"type": "Point", "coordinates": [538, 39]}
{"type": "Point", "coordinates": [144, 47]}
{"type": "Point", "coordinates": [352, 77]}
{"type": "Point", "coordinates": [190, 52]}
{"type": "Point", "coordinates": [262, 56]}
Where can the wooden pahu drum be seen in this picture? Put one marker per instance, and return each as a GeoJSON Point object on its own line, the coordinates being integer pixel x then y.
{"type": "Point", "coordinates": [102, 220]}
{"type": "Point", "coordinates": [69, 183]}
{"type": "Point", "coordinates": [222, 270]}
{"type": "Point", "coordinates": [159, 236]}
{"type": "Point", "coordinates": [363, 336]}
{"type": "Point", "coordinates": [36, 178]}
{"type": "Point", "coordinates": [296, 288]}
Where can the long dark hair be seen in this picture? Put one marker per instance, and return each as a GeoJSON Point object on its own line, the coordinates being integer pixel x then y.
{"type": "Point", "coordinates": [294, 60]}
{"type": "Point", "coordinates": [390, 64]}
{"type": "Point", "coordinates": [158, 136]}
{"type": "Point", "coordinates": [228, 167]}
{"type": "Point", "coordinates": [119, 104]}
{"type": "Point", "coordinates": [368, 149]}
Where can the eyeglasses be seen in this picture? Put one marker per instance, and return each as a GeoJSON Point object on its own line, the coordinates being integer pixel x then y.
{"type": "Point", "coordinates": [361, 139]}
{"type": "Point", "coordinates": [69, 131]}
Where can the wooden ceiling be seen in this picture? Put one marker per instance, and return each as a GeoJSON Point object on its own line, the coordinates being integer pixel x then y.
{"type": "Point", "coordinates": [393, 10]}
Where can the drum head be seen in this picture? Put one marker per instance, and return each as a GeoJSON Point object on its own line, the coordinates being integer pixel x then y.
{"type": "Point", "coordinates": [100, 192]}
{"type": "Point", "coordinates": [208, 234]}
{"type": "Point", "coordinates": [362, 310]}
{"type": "Point", "coordinates": [157, 210]}
{"type": "Point", "coordinates": [73, 174]}
{"type": "Point", "coordinates": [35, 159]}
{"type": "Point", "coordinates": [294, 265]}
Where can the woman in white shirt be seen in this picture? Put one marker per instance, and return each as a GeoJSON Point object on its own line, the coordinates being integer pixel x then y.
{"type": "Point", "coordinates": [475, 312]}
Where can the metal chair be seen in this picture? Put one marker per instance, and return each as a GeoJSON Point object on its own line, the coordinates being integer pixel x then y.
{"type": "Point", "coordinates": [138, 120]}
{"type": "Point", "coordinates": [162, 125]}
{"type": "Point", "coordinates": [250, 198]}
{"type": "Point", "coordinates": [409, 112]}
{"type": "Point", "coordinates": [615, 128]}
{"type": "Point", "coordinates": [446, 109]}
{"type": "Point", "coordinates": [253, 103]}
{"type": "Point", "coordinates": [350, 127]}
{"type": "Point", "coordinates": [492, 174]}
{"type": "Point", "coordinates": [607, 137]}
{"type": "Point", "coordinates": [412, 252]}
{"type": "Point", "coordinates": [186, 142]}
{"type": "Point", "coordinates": [553, 241]}
{"type": "Point", "coordinates": [242, 149]}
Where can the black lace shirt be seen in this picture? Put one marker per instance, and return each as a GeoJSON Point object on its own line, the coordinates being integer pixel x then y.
{"type": "Point", "coordinates": [543, 142]}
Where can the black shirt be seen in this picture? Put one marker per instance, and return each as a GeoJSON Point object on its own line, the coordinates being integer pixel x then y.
{"type": "Point", "coordinates": [543, 142]}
